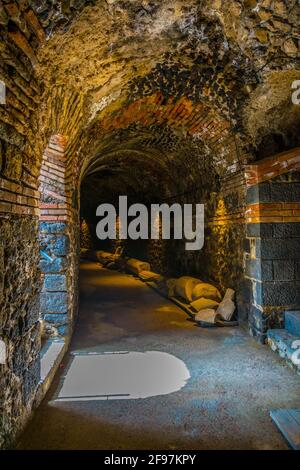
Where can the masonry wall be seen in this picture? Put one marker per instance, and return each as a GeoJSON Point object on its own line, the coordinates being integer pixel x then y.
{"type": "Point", "coordinates": [221, 259]}
{"type": "Point", "coordinates": [58, 237]}
{"type": "Point", "coordinates": [19, 249]}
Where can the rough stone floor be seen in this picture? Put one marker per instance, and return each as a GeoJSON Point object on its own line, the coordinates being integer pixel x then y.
{"type": "Point", "coordinates": [225, 404]}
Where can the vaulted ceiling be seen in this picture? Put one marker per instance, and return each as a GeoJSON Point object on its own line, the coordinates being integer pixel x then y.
{"type": "Point", "coordinates": [167, 88]}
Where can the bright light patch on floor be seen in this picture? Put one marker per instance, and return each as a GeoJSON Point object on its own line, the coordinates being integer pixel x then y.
{"type": "Point", "coordinates": [123, 375]}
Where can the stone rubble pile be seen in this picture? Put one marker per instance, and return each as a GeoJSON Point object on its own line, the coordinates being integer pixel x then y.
{"type": "Point", "coordinates": [203, 301]}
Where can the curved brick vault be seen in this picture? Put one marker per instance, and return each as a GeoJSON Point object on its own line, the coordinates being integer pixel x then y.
{"type": "Point", "coordinates": [154, 98]}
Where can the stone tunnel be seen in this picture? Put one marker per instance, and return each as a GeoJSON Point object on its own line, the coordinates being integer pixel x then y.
{"type": "Point", "coordinates": [166, 102]}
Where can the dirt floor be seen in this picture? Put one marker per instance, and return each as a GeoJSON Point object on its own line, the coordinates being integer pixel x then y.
{"type": "Point", "coordinates": [234, 382]}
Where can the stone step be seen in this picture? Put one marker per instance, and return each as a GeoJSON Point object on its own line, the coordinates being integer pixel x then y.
{"type": "Point", "coordinates": [292, 322]}
{"type": "Point", "coordinates": [286, 345]}
{"type": "Point", "coordinates": [288, 422]}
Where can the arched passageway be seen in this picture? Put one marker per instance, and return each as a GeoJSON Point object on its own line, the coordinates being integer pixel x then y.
{"type": "Point", "coordinates": [178, 102]}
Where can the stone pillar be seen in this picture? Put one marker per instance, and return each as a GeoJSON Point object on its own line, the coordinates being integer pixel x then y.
{"type": "Point", "coordinates": [272, 248]}
{"type": "Point", "coordinates": [56, 243]}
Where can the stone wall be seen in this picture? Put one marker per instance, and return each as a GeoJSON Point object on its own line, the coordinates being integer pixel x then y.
{"type": "Point", "coordinates": [86, 237]}
{"type": "Point", "coordinates": [273, 240]}
{"type": "Point", "coordinates": [58, 236]}
{"type": "Point", "coordinates": [220, 261]}
{"type": "Point", "coordinates": [19, 321]}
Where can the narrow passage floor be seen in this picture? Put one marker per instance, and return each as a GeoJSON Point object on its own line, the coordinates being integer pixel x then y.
{"type": "Point", "coordinates": [224, 404]}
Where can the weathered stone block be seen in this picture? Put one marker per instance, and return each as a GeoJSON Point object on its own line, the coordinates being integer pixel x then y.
{"type": "Point", "coordinates": [289, 230]}
{"type": "Point", "coordinates": [55, 282]}
{"type": "Point", "coordinates": [55, 266]}
{"type": "Point", "coordinates": [56, 319]}
{"type": "Point", "coordinates": [52, 227]}
{"type": "Point", "coordinates": [292, 322]}
{"type": "Point", "coordinates": [264, 192]}
{"type": "Point", "coordinates": [283, 342]}
{"type": "Point", "coordinates": [281, 293]}
{"type": "Point", "coordinates": [54, 302]}
{"type": "Point", "coordinates": [57, 245]}
{"type": "Point", "coordinates": [284, 270]}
